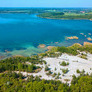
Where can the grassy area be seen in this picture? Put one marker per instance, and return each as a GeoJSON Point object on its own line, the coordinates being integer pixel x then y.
{"type": "Point", "coordinates": [61, 15]}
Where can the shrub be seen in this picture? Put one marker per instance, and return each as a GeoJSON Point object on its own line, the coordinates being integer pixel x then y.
{"type": "Point", "coordinates": [65, 71]}
{"type": "Point", "coordinates": [54, 75]}
{"type": "Point", "coordinates": [49, 73]}
{"type": "Point", "coordinates": [78, 71]}
{"type": "Point", "coordinates": [55, 68]}
{"type": "Point", "coordinates": [64, 63]}
{"type": "Point", "coordinates": [46, 68]}
{"type": "Point", "coordinates": [84, 56]}
{"type": "Point", "coordinates": [82, 72]}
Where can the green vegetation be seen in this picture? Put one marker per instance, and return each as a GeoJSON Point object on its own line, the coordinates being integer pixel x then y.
{"type": "Point", "coordinates": [49, 72]}
{"type": "Point", "coordinates": [81, 72]}
{"type": "Point", "coordinates": [81, 84]}
{"type": "Point", "coordinates": [62, 15]}
{"type": "Point", "coordinates": [20, 64]}
{"type": "Point", "coordinates": [64, 63]}
{"type": "Point", "coordinates": [84, 56]}
{"type": "Point", "coordinates": [10, 81]}
{"type": "Point", "coordinates": [55, 69]}
{"type": "Point", "coordinates": [13, 82]}
{"type": "Point", "coordinates": [72, 50]}
{"type": "Point", "coordinates": [58, 76]}
{"type": "Point", "coordinates": [65, 71]}
{"type": "Point", "coordinates": [51, 15]}
{"type": "Point", "coordinates": [78, 71]}
{"type": "Point", "coordinates": [54, 75]}
{"type": "Point", "coordinates": [47, 68]}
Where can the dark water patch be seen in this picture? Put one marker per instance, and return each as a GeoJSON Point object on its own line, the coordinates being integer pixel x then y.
{"type": "Point", "coordinates": [20, 48]}
{"type": "Point", "coordinates": [7, 49]}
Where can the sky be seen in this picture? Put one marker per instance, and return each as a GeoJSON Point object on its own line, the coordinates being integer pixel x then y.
{"type": "Point", "coordinates": [45, 3]}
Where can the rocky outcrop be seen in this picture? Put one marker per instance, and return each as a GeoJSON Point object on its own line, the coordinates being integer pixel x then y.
{"type": "Point", "coordinates": [87, 44]}
{"type": "Point", "coordinates": [72, 37]}
{"type": "Point", "coordinates": [89, 39]}
{"type": "Point", "coordinates": [41, 46]}
{"type": "Point", "coordinates": [50, 47]}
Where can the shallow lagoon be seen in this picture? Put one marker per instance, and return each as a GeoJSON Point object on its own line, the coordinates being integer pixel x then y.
{"type": "Point", "coordinates": [20, 34]}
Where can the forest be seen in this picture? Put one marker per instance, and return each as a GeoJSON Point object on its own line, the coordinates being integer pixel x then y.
{"type": "Point", "coordinates": [13, 82]}
{"type": "Point", "coordinates": [20, 64]}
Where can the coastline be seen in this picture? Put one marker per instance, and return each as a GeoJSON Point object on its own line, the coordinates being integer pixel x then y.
{"type": "Point", "coordinates": [45, 48]}
{"type": "Point", "coordinates": [55, 64]}
{"type": "Point", "coordinates": [63, 18]}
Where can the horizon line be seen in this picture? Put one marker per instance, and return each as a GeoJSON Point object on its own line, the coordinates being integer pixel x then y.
{"type": "Point", "coordinates": [45, 7]}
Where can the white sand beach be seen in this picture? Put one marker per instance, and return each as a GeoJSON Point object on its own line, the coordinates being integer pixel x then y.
{"type": "Point", "coordinates": [75, 62]}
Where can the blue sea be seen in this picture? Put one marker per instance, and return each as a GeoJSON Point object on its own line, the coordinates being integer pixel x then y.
{"type": "Point", "coordinates": [20, 34]}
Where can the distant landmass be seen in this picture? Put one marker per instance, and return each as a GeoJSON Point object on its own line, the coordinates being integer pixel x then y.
{"type": "Point", "coordinates": [66, 15]}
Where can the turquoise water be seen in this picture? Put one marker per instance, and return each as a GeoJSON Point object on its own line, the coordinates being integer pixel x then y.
{"type": "Point", "coordinates": [20, 34]}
